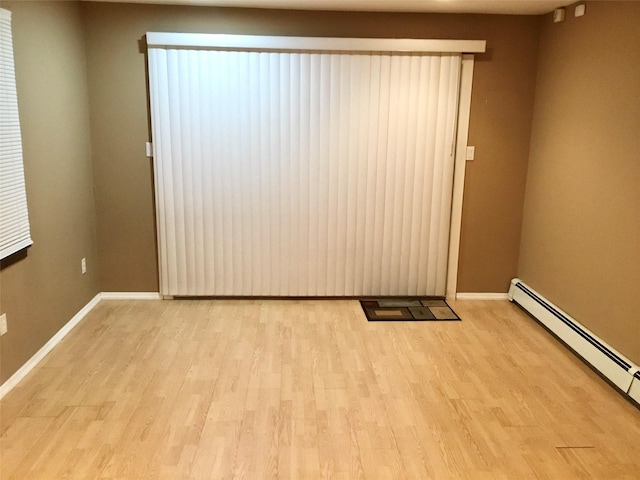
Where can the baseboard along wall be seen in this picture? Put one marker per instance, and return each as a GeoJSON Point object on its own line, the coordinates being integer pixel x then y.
{"type": "Point", "coordinates": [619, 370]}
{"type": "Point", "coordinates": [616, 368]}
{"type": "Point", "coordinates": [22, 372]}
{"type": "Point", "coordinates": [30, 364]}
{"type": "Point", "coordinates": [482, 296]}
{"type": "Point", "coordinates": [131, 296]}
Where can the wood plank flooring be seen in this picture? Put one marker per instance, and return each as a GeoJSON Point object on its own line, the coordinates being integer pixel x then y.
{"type": "Point", "coordinates": [221, 389]}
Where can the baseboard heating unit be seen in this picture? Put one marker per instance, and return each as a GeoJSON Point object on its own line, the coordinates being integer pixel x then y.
{"type": "Point", "coordinates": [619, 370]}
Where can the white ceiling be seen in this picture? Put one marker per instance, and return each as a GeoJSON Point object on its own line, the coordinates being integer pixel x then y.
{"type": "Point", "coordinates": [510, 7]}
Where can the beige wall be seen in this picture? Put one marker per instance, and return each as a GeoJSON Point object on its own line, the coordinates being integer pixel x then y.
{"type": "Point", "coordinates": [500, 124]}
{"type": "Point", "coordinates": [580, 241]}
{"type": "Point", "coordinates": [581, 229]}
{"type": "Point", "coordinates": [42, 292]}
{"type": "Point", "coordinates": [84, 126]}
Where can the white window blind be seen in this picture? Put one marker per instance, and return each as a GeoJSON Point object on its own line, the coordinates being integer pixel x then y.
{"type": "Point", "coordinates": [302, 173]}
{"type": "Point", "coordinates": [14, 219]}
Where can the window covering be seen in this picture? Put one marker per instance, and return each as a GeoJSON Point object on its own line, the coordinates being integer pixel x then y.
{"type": "Point", "coordinates": [14, 219]}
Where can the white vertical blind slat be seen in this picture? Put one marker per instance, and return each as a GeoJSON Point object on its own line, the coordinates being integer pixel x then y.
{"type": "Point", "coordinates": [333, 159]}
{"type": "Point", "coordinates": [303, 174]}
{"type": "Point", "coordinates": [285, 132]}
{"type": "Point", "coordinates": [314, 171]}
{"type": "Point", "coordinates": [378, 157]}
{"type": "Point", "coordinates": [447, 177]}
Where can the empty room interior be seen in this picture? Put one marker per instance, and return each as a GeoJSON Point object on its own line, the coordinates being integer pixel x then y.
{"type": "Point", "coordinates": [211, 187]}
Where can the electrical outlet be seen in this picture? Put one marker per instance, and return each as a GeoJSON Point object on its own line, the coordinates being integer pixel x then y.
{"type": "Point", "coordinates": [3, 324]}
{"type": "Point", "coordinates": [83, 265]}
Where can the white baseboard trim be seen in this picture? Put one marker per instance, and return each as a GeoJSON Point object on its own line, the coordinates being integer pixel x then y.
{"type": "Point", "coordinates": [482, 296]}
{"type": "Point", "coordinates": [22, 372]}
{"type": "Point", "coordinates": [131, 296]}
{"type": "Point", "coordinates": [618, 369]}
{"type": "Point", "coordinates": [634, 390]}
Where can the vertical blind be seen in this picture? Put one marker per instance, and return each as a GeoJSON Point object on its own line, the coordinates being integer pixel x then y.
{"type": "Point", "coordinates": [14, 219]}
{"type": "Point", "coordinates": [302, 173]}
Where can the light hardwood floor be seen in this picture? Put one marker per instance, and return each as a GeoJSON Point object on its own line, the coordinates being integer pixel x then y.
{"type": "Point", "coordinates": [203, 389]}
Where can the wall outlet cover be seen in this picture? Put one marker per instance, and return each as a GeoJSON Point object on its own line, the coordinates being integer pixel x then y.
{"type": "Point", "coordinates": [558, 15]}
{"type": "Point", "coordinates": [471, 153]}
